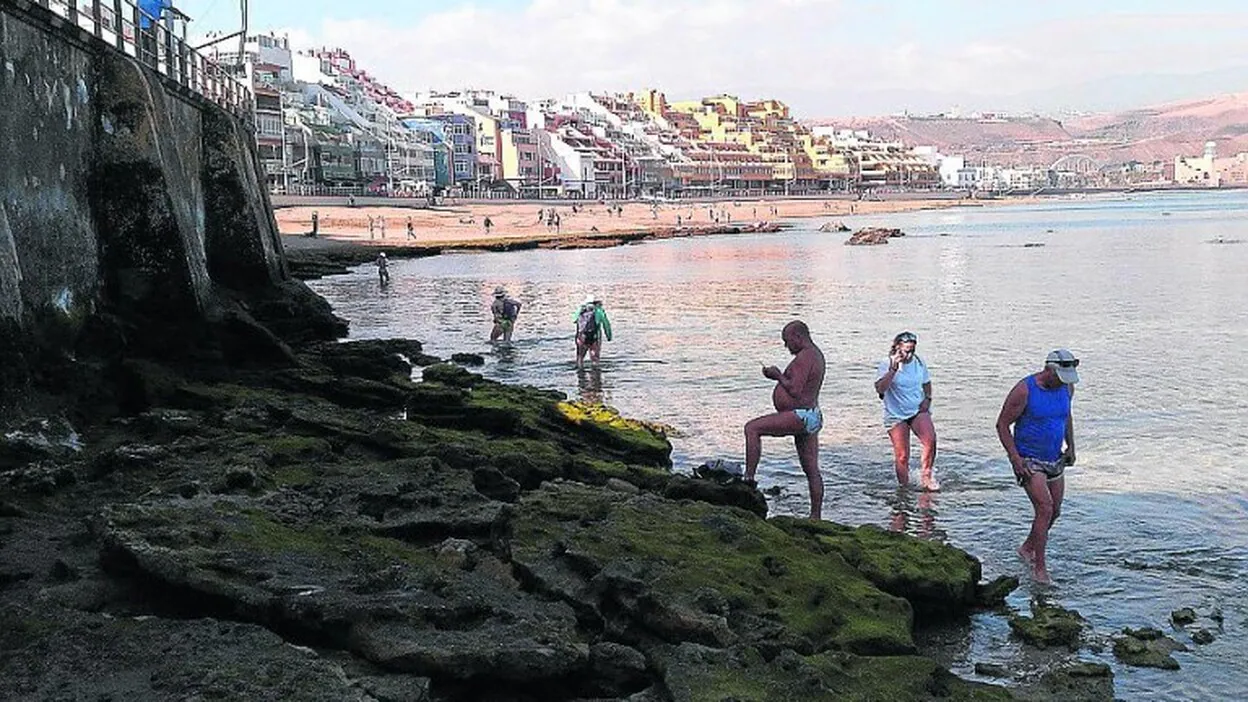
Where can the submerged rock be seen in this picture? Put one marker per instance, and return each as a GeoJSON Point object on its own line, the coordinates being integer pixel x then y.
{"type": "Point", "coordinates": [1049, 625]}
{"type": "Point", "coordinates": [1184, 616]}
{"type": "Point", "coordinates": [468, 359]}
{"type": "Point", "coordinates": [1078, 682]}
{"type": "Point", "coordinates": [1147, 648]}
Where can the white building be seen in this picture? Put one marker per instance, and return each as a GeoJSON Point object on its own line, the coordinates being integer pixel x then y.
{"type": "Point", "coordinates": [1198, 171]}
{"type": "Point", "coordinates": [951, 168]}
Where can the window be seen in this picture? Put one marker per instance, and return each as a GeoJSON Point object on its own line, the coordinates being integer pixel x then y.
{"type": "Point", "coordinates": [269, 125]}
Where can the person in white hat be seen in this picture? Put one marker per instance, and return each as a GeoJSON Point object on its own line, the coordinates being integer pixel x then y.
{"type": "Point", "coordinates": [383, 268]}
{"type": "Point", "coordinates": [591, 325]}
{"type": "Point", "coordinates": [505, 311]}
{"type": "Point", "coordinates": [1041, 446]}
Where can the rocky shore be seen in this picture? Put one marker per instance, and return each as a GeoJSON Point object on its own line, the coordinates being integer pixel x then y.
{"type": "Point", "coordinates": [315, 525]}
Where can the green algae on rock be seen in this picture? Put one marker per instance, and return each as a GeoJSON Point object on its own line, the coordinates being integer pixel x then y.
{"type": "Point", "coordinates": [1077, 682]}
{"type": "Point", "coordinates": [1147, 648]}
{"type": "Point", "coordinates": [938, 580]}
{"type": "Point", "coordinates": [396, 605]}
{"type": "Point", "coordinates": [1048, 625]}
{"type": "Point", "coordinates": [660, 570]}
{"type": "Point", "coordinates": [693, 673]}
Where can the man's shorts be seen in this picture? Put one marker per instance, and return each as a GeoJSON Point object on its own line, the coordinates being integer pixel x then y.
{"type": "Point", "coordinates": [1052, 470]}
{"type": "Point", "coordinates": [812, 419]}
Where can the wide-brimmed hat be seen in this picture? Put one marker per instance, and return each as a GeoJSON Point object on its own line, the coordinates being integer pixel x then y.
{"type": "Point", "coordinates": [499, 291]}
{"type": "Point", "coordinates": [1065, 363]}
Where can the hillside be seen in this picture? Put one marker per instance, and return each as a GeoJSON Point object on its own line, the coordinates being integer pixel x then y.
{"type": "Point", "coordinates": [1147, 134]}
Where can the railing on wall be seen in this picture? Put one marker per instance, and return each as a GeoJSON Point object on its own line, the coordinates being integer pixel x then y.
{"type": "Point", "coordinates": [158, 43]}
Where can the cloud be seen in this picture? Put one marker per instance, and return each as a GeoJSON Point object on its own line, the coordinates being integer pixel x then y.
{"type": "Point", "coordinates": [821, 55]}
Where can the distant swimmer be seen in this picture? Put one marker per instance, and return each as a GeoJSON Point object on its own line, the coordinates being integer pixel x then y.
{"type": "Point", "coordinates": [383, 268]}
{"type": "Point", "coordinates": [591, 326]}
{"type": "Point", "coordinates": [1041, 446]}
{"type": "Point", "coordinates": [905, 385]}
{"type": "Point", "coordinates": [505, 310]}
{"type": "Point", "coordinates": [796, 399]}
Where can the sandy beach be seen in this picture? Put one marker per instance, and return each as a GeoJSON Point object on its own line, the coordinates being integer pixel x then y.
{"type": "Point", "coordinates": [452, 225]}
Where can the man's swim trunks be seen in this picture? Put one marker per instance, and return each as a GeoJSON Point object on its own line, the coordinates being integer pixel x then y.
{"type": "Point", "coordinates": [811, 418]}
{"type": "Point", "coordinates": [1052, 469]}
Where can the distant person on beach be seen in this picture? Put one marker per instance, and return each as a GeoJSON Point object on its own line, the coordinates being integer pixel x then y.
{"type": "Point", "coordinates": [411, 231]}
{"type": "Point", "coordinates": [350, 201]}
{"type": "Point", "coordinates": [904, 384]}
{"type": "Point", "coordinates": [372, 227]}
{"type": "Point", "coordinates": [591, 326]}
{"type": "Point", "coordinates": [383, 268]}
{"type": "Point", "coordinates": [505, 311]}
{"type": "Point", "coordinates": [487, 224]}
{"type": "Point", "coordinates": [1041, 446]}
{"type": "Point", "coordinates": [381, 223]}
{"type": "Point", "coordinates": [796, 399]}
{"type": "Point", "coordinates": [316, 223]}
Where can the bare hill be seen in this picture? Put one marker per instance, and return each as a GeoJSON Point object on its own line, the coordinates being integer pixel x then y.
{"type": "Point", "coordinates": [1149, 134]}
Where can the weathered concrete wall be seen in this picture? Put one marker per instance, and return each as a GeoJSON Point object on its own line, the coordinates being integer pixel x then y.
{"type": "Point", "coordinates": [132, 215]}
{"type": "Point", "coordinates": [48, 251]}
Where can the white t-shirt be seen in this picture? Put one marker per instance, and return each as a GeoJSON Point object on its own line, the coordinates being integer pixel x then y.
{"type": "Point", "coordinates": [905, 393]}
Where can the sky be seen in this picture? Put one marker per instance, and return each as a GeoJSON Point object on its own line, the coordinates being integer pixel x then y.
{"type": "Point", "coordinates": [826, 58]}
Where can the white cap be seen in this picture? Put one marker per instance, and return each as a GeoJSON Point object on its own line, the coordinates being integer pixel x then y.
{"type": "Point", "coordinates": [1065, 363]}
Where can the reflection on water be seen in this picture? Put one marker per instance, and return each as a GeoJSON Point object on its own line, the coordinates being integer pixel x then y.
{"type": "Point", "coordinates": [1155, 516]}
{"type": "Point", "coordinates": [914, 513]}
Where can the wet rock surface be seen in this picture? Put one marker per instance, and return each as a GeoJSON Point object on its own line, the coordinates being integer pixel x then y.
{"type": "Point", "coordinates": [1147, 648]}
{"type": "Point", "coordinates": [1076, 682]}
{"type": "Point", "coordinates": [1049, 626]}
{"type": "Point", "coordinates": [351, 534]}
{"type": "Point", "coordinates": [873, 236]}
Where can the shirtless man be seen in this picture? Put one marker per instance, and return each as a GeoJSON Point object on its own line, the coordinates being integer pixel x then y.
{"type": "Point", "coordinates": [796, 398]}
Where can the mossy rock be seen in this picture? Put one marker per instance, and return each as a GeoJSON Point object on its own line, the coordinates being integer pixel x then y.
{"type": "Point", "coordinates": [73, 655]}
{"type": "Point", "coordinates": [1049, 625]}
{"type": "Point", "coordinates": [1077, 682]}
{"type": "Point", "coordinates": [696, 572]}
{"type": "Point", "coordinates": [938, 580]}
{"type": "Point", "coordinates": [384, 600]}
{"type": "Point", "coordinates": [451, 374]}
{"type": "Point", "coordinates": [640, 442]}
{"type": "Point", "coordinates": [1147, 648]}
{"type": "Point", "coordinates": [693, 673]}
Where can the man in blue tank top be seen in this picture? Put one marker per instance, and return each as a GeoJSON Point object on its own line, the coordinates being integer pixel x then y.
{"type": "Point", "coordinates": [1041, 445]}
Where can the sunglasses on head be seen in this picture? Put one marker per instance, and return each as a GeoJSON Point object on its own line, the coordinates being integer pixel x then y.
{"type": "Point", "coordinates": [907, 337]}
{"type": "Point", "coordinates": [1065, 364]}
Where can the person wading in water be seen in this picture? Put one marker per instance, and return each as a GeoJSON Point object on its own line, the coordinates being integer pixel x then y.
{"type": "Point", "coordinates": [1041, 446]}
{"type": "Point", "coordinates": [905, 386]}
{"type": "Point", "coordinates": [796, 399]}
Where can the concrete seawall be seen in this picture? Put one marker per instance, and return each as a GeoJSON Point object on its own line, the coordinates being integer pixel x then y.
{"type": "Point", "coordinates": [123, 197]}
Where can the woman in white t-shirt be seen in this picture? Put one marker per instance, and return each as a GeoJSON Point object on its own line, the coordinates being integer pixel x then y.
{"type": "Point", "coordinates": [904, 384]}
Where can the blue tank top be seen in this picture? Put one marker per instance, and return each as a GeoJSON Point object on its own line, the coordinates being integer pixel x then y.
{"type": "Point", "coordinates": [1040, 430]}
